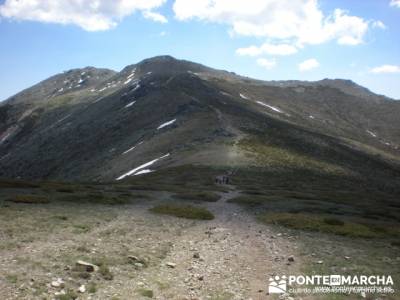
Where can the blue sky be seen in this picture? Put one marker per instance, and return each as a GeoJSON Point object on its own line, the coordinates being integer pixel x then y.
{"type": "Point", "coordinates": [264, 39]}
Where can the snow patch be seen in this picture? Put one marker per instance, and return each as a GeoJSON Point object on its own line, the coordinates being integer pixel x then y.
{"type": "Point", "coordinates": [136, 170]}
{"type": "Point", "coordinates": [5, 137]}
{"type": "Point", "coordinates": [145, 171]}
{"type": "Point", "coordinates": [135, 88]}
{"type": "Point", "coordinates": [270, 107]}
{"type": "Point", "coordinates": [129, 80]}
{"type": "Point", "coordinates": [166, 124]}
{"type": "Point", "coordinates": [62, 119]}
{"type": "Point", "coordinates": [130, 104]}
{"type": "Point", "coordinates": [311, 117]}
{"type": "Point", "coordinates": [130, 76]}
{"type": "Point", "coordinates": [193, 73]}
{"type": "Point", "coordinates": [133, 148]}
{"type": "Point", "coordinates": [372, 133]}
{"type": "Point", "coordinates": [244, 97]}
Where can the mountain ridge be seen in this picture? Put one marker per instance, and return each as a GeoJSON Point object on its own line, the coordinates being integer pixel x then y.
{"type": "Point", "coordinates": [214, 118]}
{"type": "Point", "coordinates": [338, 83]}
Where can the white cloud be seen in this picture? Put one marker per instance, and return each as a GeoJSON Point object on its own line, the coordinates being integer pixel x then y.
{"type": "Point", "coordinates": [308, 65]}
{"type": "Point", "coordinates": [385, 69]}
{"type": "Point", "coordinates": [266, 48]}
{"type": "Point", "coordinates": [378, 24]}
{"type": "Point", "coordinates": [395, 3]}
{"type": "Point", "coordinates": [156, 17]}
{"type": "Point", "coordinates": [301, 22]}
{"type": "Point", "coordinates": [266, 63]}
{"type": "Point", "coordinates": [91, 15]}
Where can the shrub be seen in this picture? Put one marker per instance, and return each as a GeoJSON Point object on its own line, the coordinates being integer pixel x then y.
{"type": "Point", "coordinates": [333, 221]}
{"type": "Point", "coordinates": [318, 223]}
{"type": "Point", "coordinates": [183, 211]}
{"type": "Point", "coordinates": [146, 293]}
{"type": "Point", "coordinates": [105, 272]}
{"type": "Point", "coordinates": [201, 196]}
{"type": "Point", "coordinates": [29, 199]}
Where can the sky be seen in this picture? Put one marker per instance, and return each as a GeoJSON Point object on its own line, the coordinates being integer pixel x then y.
{"type": "Point", "coordinates": [263, 39]}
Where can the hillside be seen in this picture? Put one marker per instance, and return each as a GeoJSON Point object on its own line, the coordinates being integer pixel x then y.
{"type": "Point", "coordinates": [117, 169]}
{"type": "Point", "coordinates": [80, 124]}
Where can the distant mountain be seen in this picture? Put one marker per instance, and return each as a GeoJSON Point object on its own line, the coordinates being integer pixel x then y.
{"type": "Point", "coordinates": [97, 124]}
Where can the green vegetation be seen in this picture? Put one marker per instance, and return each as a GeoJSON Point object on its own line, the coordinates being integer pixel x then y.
{"type": "Point", "coordinates": [333, 221]}
{"type": "Point", "coordinates": [92, 288]}
{"type": "Point", "coordinates": [201, 196]}
{"type": "Point", "coordinates": [328, 225]}
{"type": "Point", "coordinates": [268, 154]}
{"type": "Point", "coordinates": [69, 295]}
{"type": "Point", "coordinates": [18, 184]}
{"type": "Point", "coordinates": [29, 199]}
{"type": "Point", "coordinates": [182, 179]}
{"type": "Point", "coordinates": [12, 278]}
{"type": "Point", "coordinates": [104, 269]}
{"type": "Point", "coordinates": [105, 272]}
{"type": "Point", "coordinates": [250, 200]}
{"type": "Point", "coordinates": [222, 296]}
{"type": "Point", "coordinates": [146, 293]}
{"type": "Point", "coordinates": [183, 211]}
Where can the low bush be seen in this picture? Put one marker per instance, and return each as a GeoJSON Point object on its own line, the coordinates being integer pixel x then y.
{"type": "Point", "coordinates": [183, 211]}
{"type": "Point", "coordinates": [30, 199]}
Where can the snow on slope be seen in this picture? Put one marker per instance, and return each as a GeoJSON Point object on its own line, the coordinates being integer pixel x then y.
{"type": "Point", "coordinates": [135, 170]}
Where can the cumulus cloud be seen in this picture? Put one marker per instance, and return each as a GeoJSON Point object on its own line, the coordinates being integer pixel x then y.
{"type": "Point", "coordinates": [156, 17]}
{"type": "Point", "coordinates": [395, 3]}
{"type": "Point", "coordinates": [266, 63]}
{"type": "Point", "coordinates": [267, 48]}
{"type": "Point", "coordinates": [308, 65]}
{"type": "Point", "coordinates": [302, 22]}
{"type": "Point", "coordinates": [385, 69]}
{"type": "Point", "coordinates": [91, 15]}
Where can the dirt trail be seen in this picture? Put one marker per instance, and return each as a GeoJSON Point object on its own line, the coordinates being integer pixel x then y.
{"type": "Point", "coordinates": [230, 257]}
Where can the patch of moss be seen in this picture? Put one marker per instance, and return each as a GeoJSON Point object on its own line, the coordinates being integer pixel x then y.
{"type": "Point", "coordinates": [146, 293]}
{"type": "Point", "coordinates": [183, 211]}
{"type": "Point", "coordinates": [12, 278]}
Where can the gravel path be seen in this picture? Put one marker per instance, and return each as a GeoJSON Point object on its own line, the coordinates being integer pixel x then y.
{"type": "Point", "coordinates": [230, 257]}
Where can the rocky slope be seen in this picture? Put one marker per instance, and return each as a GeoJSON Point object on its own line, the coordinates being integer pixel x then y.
{"type": "Point", "coordinates": [95, 124]}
